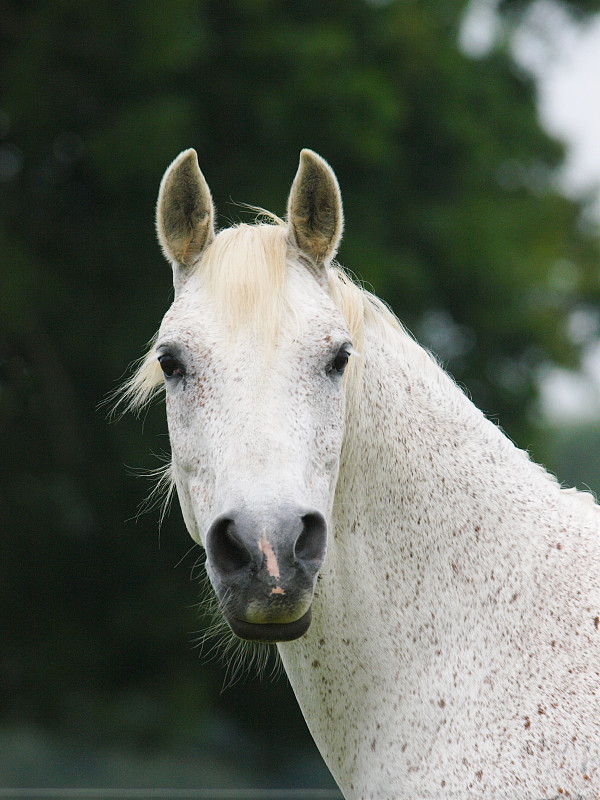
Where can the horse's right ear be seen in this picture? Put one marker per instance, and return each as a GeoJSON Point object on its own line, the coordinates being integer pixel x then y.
{"type": "Point", "coordinates": [184, 216]}
{"type": "Point", "coordinates": [315, 216]}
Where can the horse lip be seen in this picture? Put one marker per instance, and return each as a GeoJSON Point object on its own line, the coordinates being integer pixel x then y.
{"type": "Point", "coordinates": [270, 631]}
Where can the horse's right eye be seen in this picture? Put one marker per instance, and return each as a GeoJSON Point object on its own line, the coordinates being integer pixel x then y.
{"type": "Point", "coordinates": [170, 366]}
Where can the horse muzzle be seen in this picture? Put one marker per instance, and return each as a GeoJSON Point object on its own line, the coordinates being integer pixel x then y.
{"type": "Point", "coordinates": [264, 567]}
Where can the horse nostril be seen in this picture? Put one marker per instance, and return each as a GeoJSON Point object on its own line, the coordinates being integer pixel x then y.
{"type": "Point", "coordinates": [312, 543]}
{"type": "Point", "coordinates": [226, 551]}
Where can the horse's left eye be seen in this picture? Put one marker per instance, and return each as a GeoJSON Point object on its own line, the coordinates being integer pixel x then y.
{"type": "Point", "coordinates": [340, 362]}
{"type": "Point", "coordinates": [169, 365]}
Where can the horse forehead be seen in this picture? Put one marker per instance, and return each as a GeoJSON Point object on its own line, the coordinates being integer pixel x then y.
{"type": "Point", "coordinates": [308, 314]}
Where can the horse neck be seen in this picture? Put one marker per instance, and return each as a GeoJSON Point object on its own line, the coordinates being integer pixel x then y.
{"type": "Point", "coordinates": [423, 468]}
{"type": "Point", "coordinates": [431, 524]}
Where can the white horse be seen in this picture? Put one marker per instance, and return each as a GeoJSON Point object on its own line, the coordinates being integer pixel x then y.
{"type": "Point", "coordinates": [434, 594]}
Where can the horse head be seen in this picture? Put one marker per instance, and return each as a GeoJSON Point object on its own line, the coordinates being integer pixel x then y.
{"type": "Point", "coordinates": [253, 352]}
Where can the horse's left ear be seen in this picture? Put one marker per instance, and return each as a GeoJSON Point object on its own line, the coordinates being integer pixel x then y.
{"type": "Point", "coordinates": [184, 215]}
{"type": "Point", "coordinates": [315, 215]}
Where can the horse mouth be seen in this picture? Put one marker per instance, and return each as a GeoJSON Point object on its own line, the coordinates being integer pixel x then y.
{"type": "Point", "coordinates": [270, 631]}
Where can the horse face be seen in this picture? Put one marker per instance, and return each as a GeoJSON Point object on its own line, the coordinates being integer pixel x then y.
{"type": "Point", "coordinates": [256, 421]}
{"type": "Point", "coordinates": [256, 440]}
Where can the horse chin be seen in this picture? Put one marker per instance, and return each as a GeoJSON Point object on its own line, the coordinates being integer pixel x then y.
{"type": "Point", "coordinates": [270, 632]}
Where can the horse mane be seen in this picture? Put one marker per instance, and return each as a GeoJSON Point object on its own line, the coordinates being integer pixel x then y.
{"type": "Point", "coordinates": [244, 270]}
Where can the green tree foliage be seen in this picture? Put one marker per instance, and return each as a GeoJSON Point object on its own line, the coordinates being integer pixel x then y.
{"type": "Point", "coordinates": [451, 215]}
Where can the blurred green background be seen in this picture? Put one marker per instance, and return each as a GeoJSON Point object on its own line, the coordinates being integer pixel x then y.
{"type": "Point", "coordinates": [452, 215]}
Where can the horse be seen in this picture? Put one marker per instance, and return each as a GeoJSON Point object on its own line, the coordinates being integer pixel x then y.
{"type": "Point", "coordinates": [433, 593]}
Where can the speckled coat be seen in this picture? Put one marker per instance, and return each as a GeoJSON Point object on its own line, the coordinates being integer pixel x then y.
{"type": "Point", "coordinates": [455, 644]}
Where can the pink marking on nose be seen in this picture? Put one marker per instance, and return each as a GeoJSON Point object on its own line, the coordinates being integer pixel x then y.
{"type": "Point", "coordinates": [278, 590]}
{"type": "Point", "coordinates": [272, 565]}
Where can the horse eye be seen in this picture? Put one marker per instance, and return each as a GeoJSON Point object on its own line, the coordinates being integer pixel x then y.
{"type": "Point", "coordinates": [169, 365]}
{"type": "Point", "coordinates": [340, 362]}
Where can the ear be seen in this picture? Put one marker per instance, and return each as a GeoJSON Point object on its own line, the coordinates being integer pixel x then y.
{"type": "Point", "coordinates": [315, 215]}
{"type": "Point", "coordinates": [184, 215]}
